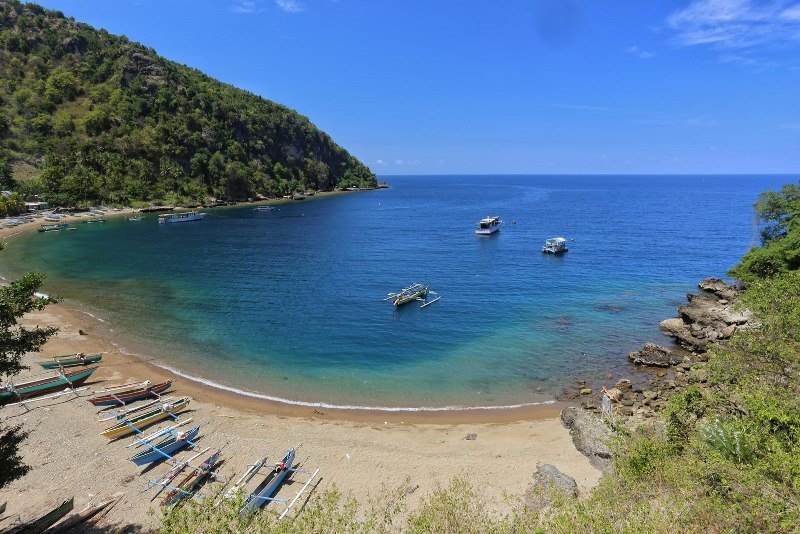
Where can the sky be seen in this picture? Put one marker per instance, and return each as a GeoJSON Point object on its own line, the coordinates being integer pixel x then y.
{"type": "Point", "coordinates": [505, 87]}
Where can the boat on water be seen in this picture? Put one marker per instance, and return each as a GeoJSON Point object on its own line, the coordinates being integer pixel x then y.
{"type": "Point", "coordinates": [181, 217]}
{"type": "Point", "coordinates": [489, 225]}
{"type": "Point", "coordinates": [144, 420]}
{"type": "Point", "coordinates": [165, 448]}
{"type": "Point", "coordinates": [126, 396]}
{"type": "Point", "coordinates": [93, 221]}
{"type": "Point", "coordinates": [192, 481]}
{"type": "Point", "coordinates": [415, 292]}
{"type": "Point", "coordinates": [269, 487]}
{"type": "Point", "coordinates": [26, 390]}
{"type": "Point", "coordinates": [555, 246]}
{"type": "Point", "coordinates": [265, 208]}
{"type": "Point", "coordinates": [71, 360]}
{"type": "Point", "coordinates": [52, 227]}
{"type": "Point", "coordinates": [41, 524]}
{"type": "Point", "coordinates": [136, 218]}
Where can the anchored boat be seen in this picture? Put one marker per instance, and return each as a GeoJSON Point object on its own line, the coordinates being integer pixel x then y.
{"type": "Point", "coordinates": [52, 227]}
{"type": "Point", "coordinates": [180, 217]}
{"type": "Point", "coordinates": [415, 292]}
{"type": "Point", "coordinates": [489, 225]}
{"type": "Point", "coordinates": [555, 245]}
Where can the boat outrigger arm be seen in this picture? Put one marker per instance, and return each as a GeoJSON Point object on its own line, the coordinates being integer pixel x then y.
{"type": "Point", "coordinates": [415, 292]}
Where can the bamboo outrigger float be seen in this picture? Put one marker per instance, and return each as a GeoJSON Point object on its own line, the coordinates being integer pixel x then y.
{"type": "Point", "coordinates": [414, 292]}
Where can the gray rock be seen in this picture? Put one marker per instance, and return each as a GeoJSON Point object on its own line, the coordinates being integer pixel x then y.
{"type": "Point", "coordinates": [547, 474]}
{"type": "Point", "coordinates": [653, 355]}
{"type": "Point", "coordinates": [591, 436]}
{"type": "Point", "coordinates": [472, 436]}
{"type": "Point", "coordinates": [546, 480]}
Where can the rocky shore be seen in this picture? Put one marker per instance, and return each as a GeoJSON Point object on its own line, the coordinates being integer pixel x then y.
{"type": "Point", "coordinates": [710, 316]}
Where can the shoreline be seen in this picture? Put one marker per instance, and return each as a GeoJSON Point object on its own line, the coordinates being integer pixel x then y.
{"type": "Point", "coordinates": [256, 402]}
{"type": "Point", "coordinates": [15, 231]}
{"type": "Point", "coordinates": [365, 456]}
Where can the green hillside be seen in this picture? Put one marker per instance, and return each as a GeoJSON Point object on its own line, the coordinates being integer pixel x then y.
{"type": "Point", "coordinates": [86, 116]}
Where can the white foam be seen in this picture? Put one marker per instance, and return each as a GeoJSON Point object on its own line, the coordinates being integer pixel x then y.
{"type": "Point", "coordinates": [93, 316]}
{"type": "Point", "coordinates": [329, 406]}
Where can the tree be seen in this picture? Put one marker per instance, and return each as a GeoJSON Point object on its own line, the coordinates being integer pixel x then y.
{"type": "Point", "coordinates": [17, 299]}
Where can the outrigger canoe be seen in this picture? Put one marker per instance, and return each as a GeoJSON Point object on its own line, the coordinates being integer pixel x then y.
{"type": "Point", "coordinates": [190, 483]}
{"type": "Point", "coordinates": [42, 386]}
{"type": "Point", "coordinates": [71, 360]}
{"type": "Point", "coordinates": [40, 525]}
{"type": "Point", "coordinates": [144, 420]}
{"type": "Point", "coordinates": [166, 447]}
{"type": "Point", "coordinates": [131, 395]}
{"type": "Point", "coordinates": [269, 487]}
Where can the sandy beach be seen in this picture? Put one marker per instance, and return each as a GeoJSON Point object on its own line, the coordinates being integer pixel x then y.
{"type": "Point", "coordinates": [363, 454]}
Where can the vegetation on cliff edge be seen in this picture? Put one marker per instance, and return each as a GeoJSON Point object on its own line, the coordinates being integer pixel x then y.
{"type": "Point", "coordinates": [86, 116]}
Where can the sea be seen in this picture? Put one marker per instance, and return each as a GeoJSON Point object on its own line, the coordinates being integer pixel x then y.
{"type": "Point", "coordinates": [289, 304]}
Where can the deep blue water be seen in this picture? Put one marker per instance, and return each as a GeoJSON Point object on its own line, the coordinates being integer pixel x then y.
{"type": "Point", "coordinates": [289, 303]}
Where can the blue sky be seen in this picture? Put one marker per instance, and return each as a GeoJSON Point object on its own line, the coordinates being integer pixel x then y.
{"type": "Point", "coordinates": [541, 86]}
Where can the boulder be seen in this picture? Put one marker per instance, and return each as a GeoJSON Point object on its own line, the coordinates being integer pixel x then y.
{"type": "Point", "coordinates": [719, 288]}
{"type": "Point", "coordinates": [614, 394]}
{"type": "Point", "coordinates": [653, 355]}
{"type": "Point", "coordinates": [548, 479]}
{"type": "Point", "coordinates": [586, 391]}
{"type": "Point", "coordinates": [547, 474]}
{"type": "Point", "coordinates": [590, 435]}
{"type": "Point", "coordinates": [623, 384]}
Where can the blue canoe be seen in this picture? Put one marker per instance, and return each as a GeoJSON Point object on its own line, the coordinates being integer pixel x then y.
{"type": "Point", "coordinates": [269, 487]}
{"type": "Point", "coordinates": [166, 447]}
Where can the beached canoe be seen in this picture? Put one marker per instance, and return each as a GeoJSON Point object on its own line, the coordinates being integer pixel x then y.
{"type": "Point", "coordinates": [269, 487]}
{"type": "Point", "coordinates": [188, 486]}
{"type": "Point", "coordinates": [144, 420]}
{"type": "Point", "coordinates": [37, 526]}
{"type": "Point", "coordinates": [165, 448]}
{"type": "Point", "coordinates": [84, 515]}
{"type": "Point", "coordinates": [131, 395]}
{"type": "Point", "coordinates": [71, 360]}
{"type": "Point", "coordinates": [42, 386]}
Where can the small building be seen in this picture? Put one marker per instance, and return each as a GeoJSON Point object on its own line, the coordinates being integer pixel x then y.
{"type": "Point", "coordinates": [36, 206]}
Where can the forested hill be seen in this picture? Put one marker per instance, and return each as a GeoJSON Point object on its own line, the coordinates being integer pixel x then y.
{"type": "Point", "coordinates": [87, 116]}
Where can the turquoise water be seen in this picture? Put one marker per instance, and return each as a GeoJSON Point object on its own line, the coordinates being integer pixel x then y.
{"type": "Point", "coordinates": [289, 303]}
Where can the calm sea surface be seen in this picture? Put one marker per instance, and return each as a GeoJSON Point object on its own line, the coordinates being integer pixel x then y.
{"type": "Point", "coordinates": [289, 303]}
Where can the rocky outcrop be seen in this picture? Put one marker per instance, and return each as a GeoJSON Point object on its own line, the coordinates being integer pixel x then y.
{"type": "Point", "coordinates": [549, 479]}
{"type": "Point", "coordinates": [653, 355]}
{"type": "Point", "coordinates": [591, 436]}
{"type": "Point", "coordinates": [708, 317]}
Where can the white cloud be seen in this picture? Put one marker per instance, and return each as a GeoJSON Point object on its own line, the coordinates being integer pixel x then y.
{"type": "Point", "coordinates": [380, 162]}
{"type": "Point", "coordinates": [245, 7]}
{"type": "Point", "coordinates": [638, 52]}
{"type": "Point", "coordinates": [289, 6]}
{"type": "Point", "coordinates": [736, 23]}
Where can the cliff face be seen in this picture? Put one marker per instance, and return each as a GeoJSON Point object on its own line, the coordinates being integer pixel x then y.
{"type": "Point", "coordinates": [92, 116]}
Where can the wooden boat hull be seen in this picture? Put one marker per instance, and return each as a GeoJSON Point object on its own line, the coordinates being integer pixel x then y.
{"type": "Point", "coordinates": [71, 361]}
{"type": "Point", "coordinates": [260, 497]}
{"type": "Point", "coordinates": [126, 397]}
{"type": "Point", "coordinates": [189, 484]}
{"type": "Point", "coordinates": [142, 421]}
{"type": "Point", "coordinates": [166, 446]}
{"type": "Point", "coordinates": [50, 518]}
{"type": "Point", "coordinates": [43, 386]}
{"type": "Point", "coordinates": [83, 516]}
{"type": "Point", "coordinates": [405, 299]}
